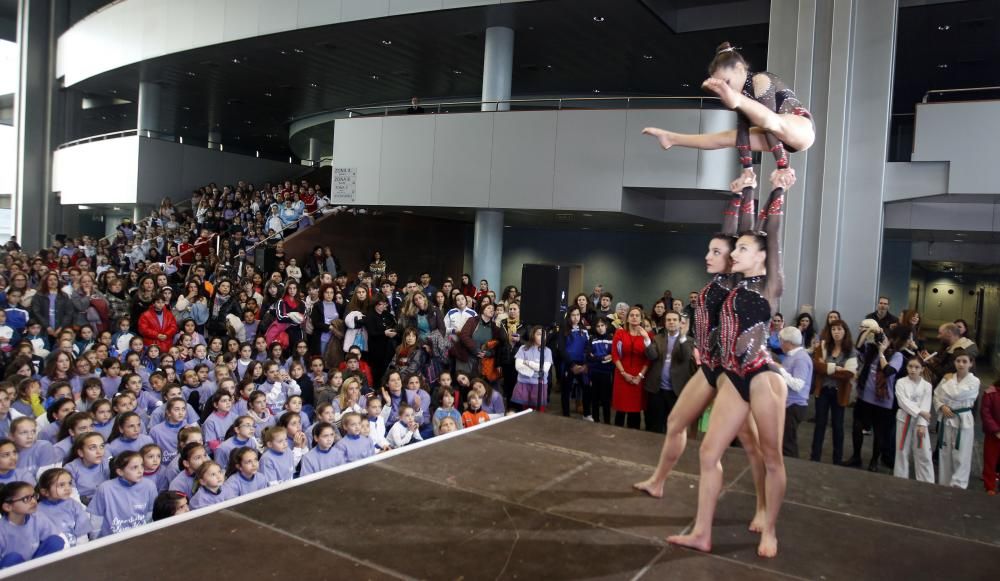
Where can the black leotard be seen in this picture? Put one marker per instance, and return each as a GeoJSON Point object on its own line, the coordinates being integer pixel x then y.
{"type": "Point", "coordinates": [706, 322]}
{"type": "Point", "coordinates": [743, 332]}
{"type": "Point", "coordinates": [778, 98]}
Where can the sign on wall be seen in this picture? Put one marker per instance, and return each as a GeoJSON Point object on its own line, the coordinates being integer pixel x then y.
{"type": "Point", "coordinates": [345, 185]}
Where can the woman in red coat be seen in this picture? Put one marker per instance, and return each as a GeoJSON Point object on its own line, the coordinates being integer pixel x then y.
{"type": "Point", "coordinates": [157, 325]}
{"type": "Point", "coordinates": [628, 353]}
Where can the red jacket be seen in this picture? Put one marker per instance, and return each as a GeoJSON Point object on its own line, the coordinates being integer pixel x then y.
{"type": "Point", "coordinates": [149, 328]}
{"type": "Point", "coordinates": [991, 412]}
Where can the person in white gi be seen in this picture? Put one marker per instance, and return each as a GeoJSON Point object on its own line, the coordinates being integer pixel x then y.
{"type": "Point", "coordinates": [913, 394]}
{"type": "Point", "coordinates": [953, 399]}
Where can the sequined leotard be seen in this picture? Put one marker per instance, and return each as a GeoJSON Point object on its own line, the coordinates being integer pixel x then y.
{"type": "Point", "coordinates": [778, 98]}
{"type": "Point", "coordinates": [706, 323]}
{"type": "Point", "coordinates": [745, 318]}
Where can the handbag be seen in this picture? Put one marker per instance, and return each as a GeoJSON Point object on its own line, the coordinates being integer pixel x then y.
{"type": "Point", "coordinates": [488, 367]}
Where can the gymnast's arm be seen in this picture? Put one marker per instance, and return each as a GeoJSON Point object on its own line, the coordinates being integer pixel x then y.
{"type": "Point", "coordinates": [774, 227]}
{"type": "Point", "coordinates": [764, 93]}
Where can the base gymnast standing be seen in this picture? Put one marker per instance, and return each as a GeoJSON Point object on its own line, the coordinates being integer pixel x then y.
{"type": "Point", "coordinates": [749, 386]}
{"type": "Point", "coordinates": [700, 390]}
{"type": "Point", "coordinates": [769, 116]}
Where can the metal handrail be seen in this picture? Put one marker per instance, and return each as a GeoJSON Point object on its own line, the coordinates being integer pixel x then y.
{"type": "Point", "coordinates": [385, 108]}
{"type": "Point", "coordinates": [964, 90]}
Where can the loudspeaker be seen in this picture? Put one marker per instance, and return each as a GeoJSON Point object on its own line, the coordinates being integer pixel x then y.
{"type": "Point", "coordinates": [544, 292]}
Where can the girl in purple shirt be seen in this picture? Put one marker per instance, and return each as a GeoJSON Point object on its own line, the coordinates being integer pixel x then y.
{"type": "Point", "coordinates": [103, 417]}
{"type": "Point", "coordinates": [243, 473]}
{"type": "Point", "coordinates": [57, 502]}
{"type": "Point", "coordinates": [9, 472]}
{"type": "Point", "coordinates": [127, 434]}
{"type": "Point", "coordinates": [209, 489]}
{"type": "Point", "coordinates": [31, 453]}
{"type": "Point", "coordinates": [278, 462]}
{"type": "Point", "coordinates": [322, 456]}
{"type": "Point", "coordinates": [125, 502]}
{"type": "Point", "coordinates": [218, 421]}
{"type": "Point", "coordinates": [24, 534]}
{"type": "Point", "coordinates": [241, 436]}
{"type": "Point", "coordinates": [191, 458]}
{"type": "Point", "coordinates": [164, 434]}
{"type": "Point", "coordinates": [58, 410]}
{"type": "Point", "coordinates": [91, 467]}
{"type": "Point", "coordinates": [152, 466]}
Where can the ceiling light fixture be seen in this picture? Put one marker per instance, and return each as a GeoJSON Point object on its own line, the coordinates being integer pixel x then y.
{"type": "Point", "coordinates": [598, 19]}
{"type": "Point", "coordinates": [943, 66]}
{"type": "Point", "coordinates": [597, 91]}
{"type": "Point", "coordinates": [374, 77]}
{"type": "Point", "coordinates": [685, 85]}
{"type": "Point", "coordinates": [586, 215]}
{"type": "Point", "coordinates": [387, 42]}
{"type": "Point", "coordinates": [267, 94]}
{"type": "Point", "coordinates": [298, 50]}
{"type": "Point", "coordinates": [944, 27]}
{"type": "Point", "coordinates": [236, 61]}
{"type": "Point", "coordinates": [456, 72]}
{"type": "Point", "coordinates": [648, 57]}
{"type": "Point", "coordinates": [313, 85]}
{"type": "Point", "coordinates": [192, 74]}
{"type": "Point", "coordinates": [186, 108]}
{"type": "Point", "coordinates": [960, 234]}
{"type": "Point", "coordinates": [407, 211]}
{"type": "Point", "coordinates": [638, 225]}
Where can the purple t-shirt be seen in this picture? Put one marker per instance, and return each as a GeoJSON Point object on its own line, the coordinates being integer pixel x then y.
{"type": "Point", "coordinates": [87, 479]}
{"type": "Point", "coordinates": [238, 485]}
{"type": "Point", "coordinates": [183, 483]}
{"type": "Point", "coordinates": [69, 516]}
{"type": "Point", "coordinates": [17, 475]}
{"type": "Point", "coordinates": [277, 467]}
{"type": "Point", "coordinates": [122, 505]}
{"type": "Point", "coordinates": [216, 425]}
{"type": "Point", "coordinates": [868, 393]}
{"type": "Point", "coordinates": [226, 448]}
{"type": "Point", "coordinates": [317, 460]}
{"type": "Point", "coordinates": [24, 539]}
{"type": "Point", "coordinates": [164, 435]}
{"type": "Point", "coordinates": [204, 497]}
{"type": "Point", "coordinates": [123, 444]}
{"type": "Point", "coordinates": [38, 455]}
{"type": "Point", "coordinates": [352, 448]}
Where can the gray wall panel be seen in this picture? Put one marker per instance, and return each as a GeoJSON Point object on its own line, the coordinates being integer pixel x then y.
{"type": "Point", "coordinates": [646, 164]}
{"type": "Point", "coordinates": [407, 160]}
{"type": "Point", "coordinates": [410, 6]}
{"type": "Point", "coordinates": [463, 151]}
{"type": "Point", "coordinates": [362, 9]}
{"type": "Point", "coordinates": [524, 144]}
{"type": "Point", "coordinates": [314, 11]}
{"type": "Point", "coordinates": [963, 134]}
{"type": "Point", "coordinates": [590, 153]}
{"type": "Point", "coordinates": [357, 143]}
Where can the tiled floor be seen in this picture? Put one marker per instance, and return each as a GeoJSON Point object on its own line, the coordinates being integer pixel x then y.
{"type": "Point", "coordinates": [543, 497]}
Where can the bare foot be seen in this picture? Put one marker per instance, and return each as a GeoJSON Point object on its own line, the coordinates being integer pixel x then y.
{"type": "Point", "coordinates": [697, 542]}
{"type": "Point", "coordinates": [650, 487]}
{"type": "Point", "coordinates": [768, 547]}
{"type": "Point", "coordinates": [661, 135]}
{"type": "Point", "coordinates": [757, 524]}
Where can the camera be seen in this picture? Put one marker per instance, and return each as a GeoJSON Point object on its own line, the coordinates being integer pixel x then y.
{"type": "Point", "coordinates": [879, 337]}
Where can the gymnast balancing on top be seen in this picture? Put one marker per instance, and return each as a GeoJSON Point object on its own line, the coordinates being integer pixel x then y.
{"type": "Point", "coordinates": [769, 117]}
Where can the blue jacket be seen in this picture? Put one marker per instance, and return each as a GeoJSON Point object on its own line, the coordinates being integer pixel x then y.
{"type": "Point", "coordinates": [598, 348]}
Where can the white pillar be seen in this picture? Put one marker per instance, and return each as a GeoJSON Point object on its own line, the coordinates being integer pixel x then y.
{"type": "Point", "coordinates": [215, 139]}
{"type": "Point", "coordinates": [487, 247]}
{"type": "Point", "coordinates": [498, 66]}
{"type": "Point", "coordinates": [314, 151]}
{"type": "Point", "coordinates": [149, 108]}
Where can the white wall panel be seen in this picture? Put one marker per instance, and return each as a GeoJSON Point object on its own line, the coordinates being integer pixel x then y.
{"type": "Point", "coordinates": [363, 9]}
{"type": "Point", "coordinates": [241, 20]}
{"type": "Point", "coordinates": [963, 134]}
{"type": "Point", "coordinates": [590, 156]}
{"type": "Point", "coordinates": [158, 18]}
{"type": "Point", "coordinates": [463, 150]}
{"type": "Point", "coordinates": [357, 143]}
{"type": "Point", "coordinates": [101, 172]}
{"type": "Point", "coordinates": [277, 15]}
{"type": "Point", "coordinates": [522, 173]}
{"type": "Point", "coordinates": [407, 160]}
{"type": "Point", "coordinates": [318, 12]}
{"type": "Point", "coordinates": [646, 164]}
{"type": "Point", "coordinates": [411, 6]}
{"type": "Point", "coordinates": [448, 4]}
{"type": "Point", "coordinates": [206, 23]}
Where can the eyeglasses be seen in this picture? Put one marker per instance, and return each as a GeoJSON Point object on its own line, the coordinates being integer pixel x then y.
{"type": "Point", "coordinates": [25, 499]}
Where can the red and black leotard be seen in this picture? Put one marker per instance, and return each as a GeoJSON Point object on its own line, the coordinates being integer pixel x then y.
{"type": "Point", "coordinates": [778, 98]}
{"type": "Point", "coordinates": [706, 323]}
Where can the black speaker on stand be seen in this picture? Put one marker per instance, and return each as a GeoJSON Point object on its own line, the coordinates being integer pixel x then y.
{"type": "Point", "coordinates": [544, 293]}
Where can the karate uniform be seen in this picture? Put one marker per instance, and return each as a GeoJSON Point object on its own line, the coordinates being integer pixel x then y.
{"type": "Point", "coordinates": [956, 435]}
{"type": "Point", "coordinates": [913, 398]}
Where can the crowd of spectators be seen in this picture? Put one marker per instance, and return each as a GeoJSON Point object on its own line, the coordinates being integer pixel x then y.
{"type": "Point", "coordinates": [187, 360]}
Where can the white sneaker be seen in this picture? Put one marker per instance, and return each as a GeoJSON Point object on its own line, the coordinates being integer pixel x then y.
{"type": "Point", "coordinates": [588, 418]}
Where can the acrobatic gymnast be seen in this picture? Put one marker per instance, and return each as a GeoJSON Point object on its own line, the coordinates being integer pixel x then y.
{"type": "Point", "coordinates": [748, 385]}
{"type": "Point", "coordinates": [700, 389]}
{"type": "Point", "coordinates": [769, 116]}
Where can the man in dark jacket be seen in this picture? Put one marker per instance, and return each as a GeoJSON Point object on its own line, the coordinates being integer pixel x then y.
{"type": "Point", "coordinates": [222, 303]}
{"type": "Point", "coordinates": [672, 357]}
{"type": "Point", "coordinates": [514, 334]}
{"type": "Point", "coordinates": [381, 327]}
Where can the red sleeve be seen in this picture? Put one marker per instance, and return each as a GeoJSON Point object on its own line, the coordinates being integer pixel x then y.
{"type": "Point", "coordinates": [169, 324]}
{"type": "Point", "coordinates": [146, 327]}
{"type": "Point", "coordinates": [616, 345]}
{"type": "Point", "coordinates": [990, 405]}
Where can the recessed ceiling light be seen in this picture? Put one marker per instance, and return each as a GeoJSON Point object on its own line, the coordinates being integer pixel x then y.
{"type": "Point", "coordinates": [456, 72]}
{"type": "Point", "coordinates": [114, 91]}
{"type": "Point", "coordinates": [598, 19]}
{"type": "Point", "coordinates": [298, 50]}
{"type": "Point", "coordinates": [407, 211]}
{"type": "Point", "coordinates": [186, 108]}
{"type": "Point", "coordinates": [387, 42]}
{"type": "Point", "coordinates": [267, 94]}
{"type": "Point", "coordinates": [283, 51]}
{"type": "Point", "coordinates": [374, 77]}
{"type": "Point", "coordinates": [944, 27]}
{"type": "Point", "coordinates": [314, 85]}
{"type": "Point", "coordinates": [236, 61]}
{"type": "Point", "coordinates": [648, 57]}
{"type": "Point", "coordinates": [673, 231]}
{"type": "Point", "coordinates": [685, 85]}
{"type": "Point", "coordinates": [960, 234]}
{"type": "Point", "coordinates": [248, 122]}
{"type": "Point", "coordinates": [548, 67]}
{"type": "Point", "coordinates": [637, 225]}
{"type": "Point", "coordinates": [587, 215]}
{"type": "Point", "coordinates": [958, 240]}
{"type": "Point", "coordinates": [507, 226]}
{"type": "Point", "coordinates": [597, 90]}
{"type": "Point", "coordinates": [192, 74]}
{"type": "Point", "coordinates": [585, 228]}
{"type": "Point", "coordinates": [943, 66]}
{"type": "Point", "coordinates": [185, 127]}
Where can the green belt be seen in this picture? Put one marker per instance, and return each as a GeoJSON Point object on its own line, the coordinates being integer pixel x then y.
{"type": "Point", "coordinates": [958, 435]}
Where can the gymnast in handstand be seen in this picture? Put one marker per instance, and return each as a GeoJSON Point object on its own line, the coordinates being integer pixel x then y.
{"type": "Point", "coordinates": [769, 117]}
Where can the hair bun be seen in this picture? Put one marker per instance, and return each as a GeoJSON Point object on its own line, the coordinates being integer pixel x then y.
{"type": "Point", "coordinates": [724, 47]}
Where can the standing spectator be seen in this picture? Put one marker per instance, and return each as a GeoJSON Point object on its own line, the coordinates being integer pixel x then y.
{"type": "Point", "coordinates": [573, 381]}
{"type": "Point", "coordinates": [157, 325]}
{"type": "Point", "coordinates": [672, 357]}
{"type": "Point", "coordinates": [425, 285]}
{"type": "Point", "coordinates": [595, 296]}
{"type": "Point", "coordinates": [381, 326]}
{"type": "Point", "coordinates": [991, 441]}
{"type": "Point", "coordinates": [835, 366]}
{"type": "Point", "coordinates": [879, 363]}
{"type": "Point", "coordinates": [484, 290]}
{"type": "Point", "coordinates": [882, 316]}
{"type": "Point", "coordinates": [954, 400]}
{"type": "Point", "coordinates": [913, 394]}
{"type": "Point", "coordinates": [514, 335]}
{"type": "Point", "coordinates": [474, 342]}
{"type": "Point", "coordinates": [797, 371]}
{"type": "Point", "coordinates": [467, 288]}
{"type": "Point", "coordinates": [628, 353]}
{"type": "Point", "coordinates": [807, 326]}
{"type": "Point", "coordinates": [51, 307]}
{"type": "Point", "coordinates": [414, 108]}
{"type": "Point", "coordinates": [942, 362]}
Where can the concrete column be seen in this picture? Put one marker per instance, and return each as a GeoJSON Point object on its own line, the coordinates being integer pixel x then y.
{"type": "Point", "coordinates": [315, 151]}
{"type": "Point", "coordinates": [838, 55]}
{"type": "Point", "coordinates": [33, 196]}
{"type": "Point", "coordinates": [215, 139]}
{"type": "Point", "coordinates": [487, 247]}
{"type": "Point", "coordinates": [149, 108]}
{"type": "Point", "coordinates": [498, 66]}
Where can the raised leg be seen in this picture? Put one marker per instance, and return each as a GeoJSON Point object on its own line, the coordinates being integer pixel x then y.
{"type": "Point", "coordinates": [729, 414]}
{"type": "Point", "coordinates": [720, 140]}
{"type": "Point", "coordinates": [694, 398]}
